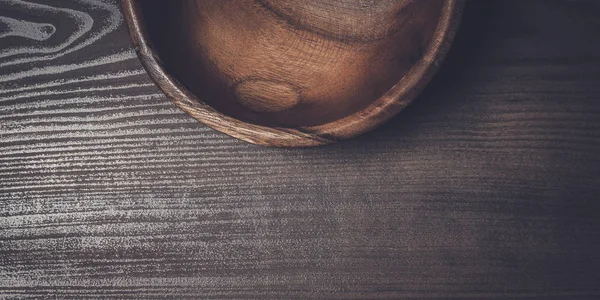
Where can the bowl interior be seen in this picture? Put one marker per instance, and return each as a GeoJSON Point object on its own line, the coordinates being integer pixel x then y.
{"type": "Point", "coordinates": [287, 63]}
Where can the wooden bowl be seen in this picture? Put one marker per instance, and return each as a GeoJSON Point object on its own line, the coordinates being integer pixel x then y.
{"type": "Point", "coordinates": [292, 73]}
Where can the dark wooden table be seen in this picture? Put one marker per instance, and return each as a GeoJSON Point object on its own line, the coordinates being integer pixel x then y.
{"type": "Point", "coordinates": [487, 187]}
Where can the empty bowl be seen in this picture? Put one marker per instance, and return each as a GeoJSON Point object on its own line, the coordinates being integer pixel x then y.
{"type": "Point", "coordinates": [292, 73]}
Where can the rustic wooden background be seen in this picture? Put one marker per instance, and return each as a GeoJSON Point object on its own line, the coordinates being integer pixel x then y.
{"type": "Point", "coordinates": [487, 187]}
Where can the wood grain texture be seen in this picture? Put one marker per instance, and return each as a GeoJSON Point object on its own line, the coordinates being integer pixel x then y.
{"type": "Point", "coordinates": [288, 73]}
{"type": "Point", "coordinates": [337, 57]}
{"type": "Point", "coordinates": [487, 188]}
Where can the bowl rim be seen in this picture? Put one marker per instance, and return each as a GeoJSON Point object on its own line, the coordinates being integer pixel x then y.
{"type": "Point", "coordinates": [378, 112]}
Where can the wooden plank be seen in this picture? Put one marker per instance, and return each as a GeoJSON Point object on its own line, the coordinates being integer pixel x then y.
{"type": "Point", "coordinates": [485, 188]}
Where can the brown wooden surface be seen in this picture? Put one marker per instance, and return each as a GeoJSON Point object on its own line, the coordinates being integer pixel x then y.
{"type": "Point", "coordinates": [289, 63]}
{"type": "Point", "coordinates": [486, 187]}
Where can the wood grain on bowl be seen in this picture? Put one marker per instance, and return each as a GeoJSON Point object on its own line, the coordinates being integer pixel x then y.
{"type": "Point", "coordinates": [292, 73]}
